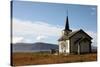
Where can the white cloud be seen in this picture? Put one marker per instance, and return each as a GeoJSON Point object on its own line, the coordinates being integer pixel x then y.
{"type": "Point", "coordinates": [93, 12]}
{"type": "Point", "coordinates": [93, 8]}
{"type": "Point", "coordinates": [37, 29]}
{"type": "Point", "coordinates": [17, 39]}
{"type": "Point", "coordinates": [40, 37]}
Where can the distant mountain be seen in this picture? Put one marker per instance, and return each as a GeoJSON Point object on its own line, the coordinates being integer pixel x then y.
{"type": "Point", "coordinates": [33, 47]}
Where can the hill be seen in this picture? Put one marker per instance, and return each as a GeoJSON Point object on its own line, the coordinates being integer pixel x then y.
{"type": "Point", "coordinates": [33, 47]}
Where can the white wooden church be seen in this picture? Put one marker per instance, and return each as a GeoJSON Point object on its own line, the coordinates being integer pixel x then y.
{"type": "Point", "coordinates": [74, 42]}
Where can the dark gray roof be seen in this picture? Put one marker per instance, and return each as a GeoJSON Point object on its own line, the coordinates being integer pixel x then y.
{"type": "Point", "coordinates": [67, 37]}
{"type": "Point", "coordinates": [70, 35]}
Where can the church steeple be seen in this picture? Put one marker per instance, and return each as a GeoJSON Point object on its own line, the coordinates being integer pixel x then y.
{"type": "Point", "coordinates": [67, 30]}
{"type": "Point", "coordinates": [67, 24]}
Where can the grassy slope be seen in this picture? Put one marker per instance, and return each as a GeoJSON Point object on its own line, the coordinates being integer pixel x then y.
{"type": "Point", "coordinates": [33, 59]}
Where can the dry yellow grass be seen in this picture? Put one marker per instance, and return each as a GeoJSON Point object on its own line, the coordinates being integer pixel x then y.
{"type": "Point", "coordinates": [34, 59]}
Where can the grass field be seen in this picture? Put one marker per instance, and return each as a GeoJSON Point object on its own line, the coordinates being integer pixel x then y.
{"type": "Point", "coordinates": [19, 59]}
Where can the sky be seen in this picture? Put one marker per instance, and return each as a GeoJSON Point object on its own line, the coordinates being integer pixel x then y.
{"type": "Point", "coordinates": [43, 22]}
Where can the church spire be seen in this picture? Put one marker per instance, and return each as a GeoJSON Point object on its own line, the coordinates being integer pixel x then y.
{"type": "Point", "coordinates": [67, 30]}
{"type": "Point", "coordinates": [67, 24]}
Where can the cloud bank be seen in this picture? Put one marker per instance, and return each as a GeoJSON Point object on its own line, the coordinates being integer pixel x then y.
{"type": "Point", "coordinates": [27, 31]}
{"type": "Point", "coordinates": [39, 30]}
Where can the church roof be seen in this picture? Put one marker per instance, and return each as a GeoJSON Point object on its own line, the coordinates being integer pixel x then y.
{"type": "Point", "coordinates": [67, 37]}
{"type": "Point", "coordinates": [72, 33]}
{"type": "Point", "coordinates": [64, 37]}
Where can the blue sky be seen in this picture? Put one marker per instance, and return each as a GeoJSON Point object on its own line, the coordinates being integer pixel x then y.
{"type": "Point", "coordinates": [52, 16]}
